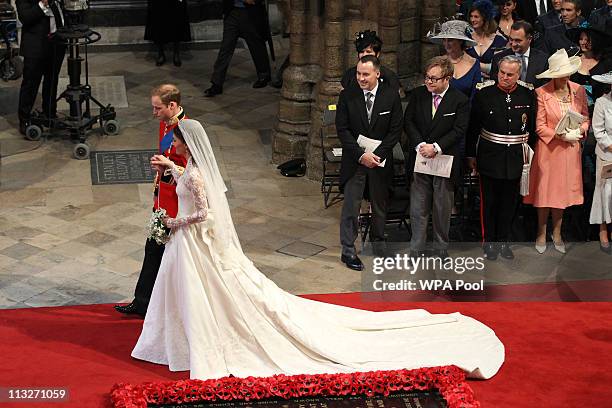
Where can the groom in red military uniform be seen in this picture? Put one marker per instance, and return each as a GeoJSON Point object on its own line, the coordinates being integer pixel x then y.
{"type": "Point", "coordinates": [166, 102]}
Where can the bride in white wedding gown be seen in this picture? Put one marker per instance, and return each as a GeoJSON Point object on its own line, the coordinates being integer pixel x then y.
{"type": "Point", "coordinates": [213, 313]}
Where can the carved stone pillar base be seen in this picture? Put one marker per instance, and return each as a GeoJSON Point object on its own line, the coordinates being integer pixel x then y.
{"type": "Point", "coordinates": [290, 138]}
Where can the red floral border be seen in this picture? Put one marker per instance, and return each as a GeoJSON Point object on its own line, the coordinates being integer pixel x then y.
{"type": "Point", "coordinates": [449, 380]}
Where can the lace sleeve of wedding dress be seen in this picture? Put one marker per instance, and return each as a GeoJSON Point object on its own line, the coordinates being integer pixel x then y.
{"type": "Point", "coordinates": [195, 184]}
{"type": "Point", "coordinates": [176, 171]}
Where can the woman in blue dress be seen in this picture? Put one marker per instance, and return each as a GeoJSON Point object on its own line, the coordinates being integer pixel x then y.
{"type": "Point", "coordinates": [454, 36]}
{"type": "Point", "coordinates": [485, 33]}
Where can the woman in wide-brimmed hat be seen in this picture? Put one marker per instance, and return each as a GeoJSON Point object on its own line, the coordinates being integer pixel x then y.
{"type": "Point", "coordinates": [454, 36]}
{"type": "Point", "coordinates": [555, 182]}
{"type": "Point", "coordinates": [601, 209]}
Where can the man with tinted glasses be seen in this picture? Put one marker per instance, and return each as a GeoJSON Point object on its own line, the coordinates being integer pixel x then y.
{"type": "Point", "coordinates": [436, 120]}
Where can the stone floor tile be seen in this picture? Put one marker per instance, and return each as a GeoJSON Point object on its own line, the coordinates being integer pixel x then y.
{"type": "Point", "coordinates": [19, 292]}
{"type": "Point", "coordinates": [301, 249]}
{"type": "Point", "coordinates": [51, 297]}
{"type": "Point", "coordinates": [6, 241]}
{"type": "Point", "coordinates": [97, 239]}
{"type": "Point", "coordinates": [20, 251]}
{"type": "Point", "coordinates": [45, 240]}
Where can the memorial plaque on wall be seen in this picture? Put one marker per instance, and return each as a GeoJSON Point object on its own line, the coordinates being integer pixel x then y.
{"type": "Point", "coordinates": [417, 399]}
{"type": "Point", "coordinates": [122, 167]}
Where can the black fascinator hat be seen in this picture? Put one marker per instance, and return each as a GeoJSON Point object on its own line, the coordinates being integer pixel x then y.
{"type": "Point", "coordinates": [364, 39]}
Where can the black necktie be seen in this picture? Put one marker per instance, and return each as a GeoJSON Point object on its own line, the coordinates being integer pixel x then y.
{"type": "Point", "coordinates": [542, 7]}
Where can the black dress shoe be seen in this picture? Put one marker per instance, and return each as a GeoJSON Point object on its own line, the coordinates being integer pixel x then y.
{"type": "Point", "coordinates": [277, 83]}
{"type": "Point", "coordinates": [490, 251]}
{"type": "Point", "coordinates": [606, 249]}
{"type": "Point", "coordinates": [130, 308]}
{"type": "Point", "coordinates": [505, 251]}
{"type": "Point", "coordinates": [352, 262]}
{"type": "Point", "coordinates": [177, 60]}
{"type": "Point", "coordinates": [260, 83]}
{"type": "Point", "coordinates": [161, 59]}
{"type": "Point", "coordinates": [213, 90]}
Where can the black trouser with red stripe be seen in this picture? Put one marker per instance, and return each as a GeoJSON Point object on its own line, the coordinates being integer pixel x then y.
{"type": "Point", "coordinates": [499, 199]}
{"type": "Point", "coordinates": [150, 267]}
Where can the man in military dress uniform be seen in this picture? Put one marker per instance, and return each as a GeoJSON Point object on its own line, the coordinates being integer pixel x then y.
{"type": "Point", "coordinates": [501, 125]}
{"type": "Point", "coordinates": [166, 102]}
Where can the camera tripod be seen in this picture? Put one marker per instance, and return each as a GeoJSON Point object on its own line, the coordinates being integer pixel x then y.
{"type": "Point", "coordinates": [78, 122]}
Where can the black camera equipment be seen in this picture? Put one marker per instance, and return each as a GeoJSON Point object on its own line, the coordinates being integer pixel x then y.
{"type": "Point", "coordinates": [11, 65]}
{"type": "Point", "coordinates": [76, 34]}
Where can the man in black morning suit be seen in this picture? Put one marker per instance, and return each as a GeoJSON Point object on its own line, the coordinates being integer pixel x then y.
{"type": "Point", "coordinates": [247, 19]}
{"type": "Point", "coordinates": [551, 19]}
{"type": "Point", "coordinates": [435, 121]}
{"type": "Point", "coordinates": [533, 61]}
{"type": "Point", "coordinates": [42, 56]}
{"type": "Point", "coordinates": [529, 10]}
{"type": "Point", "coordinates": [374, 110]}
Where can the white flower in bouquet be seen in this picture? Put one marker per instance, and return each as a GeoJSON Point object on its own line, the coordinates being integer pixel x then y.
{"type": "Point", "coordinates": [156, 229]}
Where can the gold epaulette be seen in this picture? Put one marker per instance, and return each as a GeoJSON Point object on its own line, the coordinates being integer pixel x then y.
{"type": "Point", "coordinates": [482, 85]}
{"type": "Point", "coordinates": [525, 84]}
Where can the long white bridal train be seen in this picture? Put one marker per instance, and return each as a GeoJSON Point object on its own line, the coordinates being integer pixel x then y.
{"type": "Point", "coordinates": [213, 313]}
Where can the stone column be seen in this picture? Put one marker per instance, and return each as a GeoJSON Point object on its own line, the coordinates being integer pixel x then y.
{"type": "Point", "coordinates": [409, 55]}
{"type": "Point", "coordinates": [432, 11]}
{"type": "Point", "coordinates": [329, 88]}
{"type": "Point", "coordinates": [290, 139]}
{"type": "Point", "coordinates": [389, 32]}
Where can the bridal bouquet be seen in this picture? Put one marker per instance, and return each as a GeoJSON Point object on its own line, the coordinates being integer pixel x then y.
{"type": "Point", "coordinates": [156, 229]}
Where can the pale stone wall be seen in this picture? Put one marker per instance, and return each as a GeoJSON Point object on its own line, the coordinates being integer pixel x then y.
{"type": "Point", "coordinates": [322, 48]}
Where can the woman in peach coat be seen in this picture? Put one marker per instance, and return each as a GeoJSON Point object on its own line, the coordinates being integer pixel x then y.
{"type": "Point", "coordinates": [555, 181]}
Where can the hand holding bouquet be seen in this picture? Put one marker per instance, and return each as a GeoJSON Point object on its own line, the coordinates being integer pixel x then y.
{"type": "Point", "coordinates": [157, 228]}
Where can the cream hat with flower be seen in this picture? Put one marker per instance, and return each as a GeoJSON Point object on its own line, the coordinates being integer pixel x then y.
{"type": "Point", "coordinates": [561, 65]}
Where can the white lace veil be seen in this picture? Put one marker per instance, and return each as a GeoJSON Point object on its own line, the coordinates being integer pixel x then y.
{"type": "Point", "coordinates": [224, 233]}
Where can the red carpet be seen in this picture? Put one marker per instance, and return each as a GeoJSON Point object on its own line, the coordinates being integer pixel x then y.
{"type": "Point", "coordinates": [557, 353]}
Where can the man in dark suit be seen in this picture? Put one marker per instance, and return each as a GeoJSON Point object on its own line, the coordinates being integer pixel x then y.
{"type": "Point", "coordinates": [502, 122]}
{"type": "Point", "coordinates": [589, 6]}
{"type": "Point", "coordinates": [529, 10]}
{"type": "Point", "coordinates": [533, 60]}
{"type": "Point", "coordinates": [368, 43]}
{"type": "Point", "coordinates": [42, 56]}
{"type": "Point", "coordinates": [550, 19]}
{"type": "Point", "coordinates": [436, 120]}
{"type": "Point", "coordinates": [374, 111]}
{"type": "Point", "coordinates": [247, 19]}
{"type": "Point", "coordinates": [558, 37]}
{"type": "Point", "coordinates": [602, 16]}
